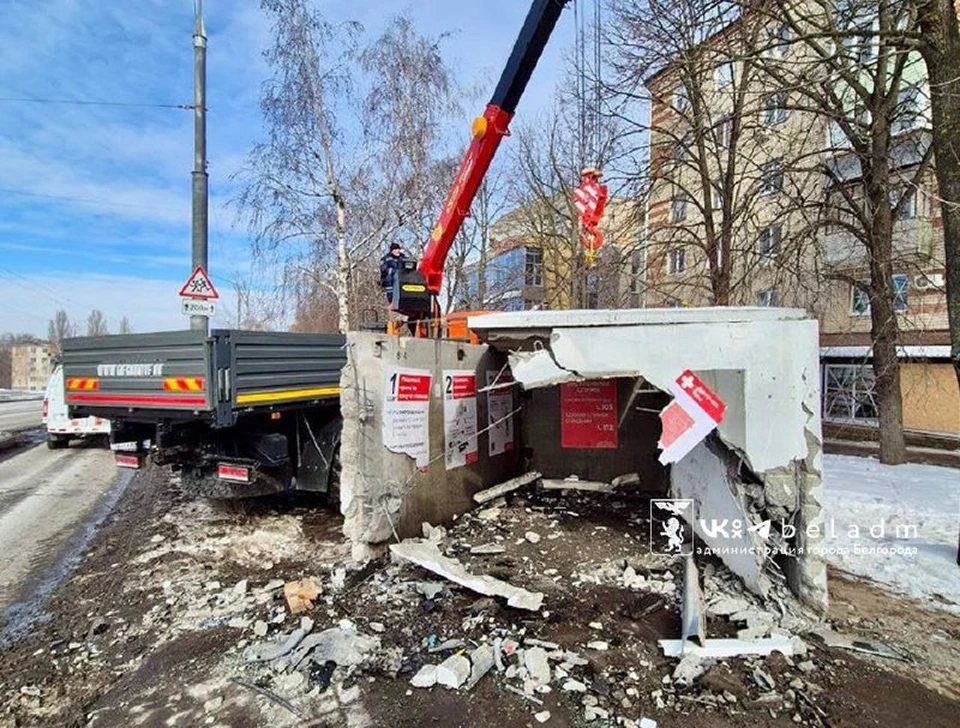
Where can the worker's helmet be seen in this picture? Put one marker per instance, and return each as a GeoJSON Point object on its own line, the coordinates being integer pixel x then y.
{"type": "Point", "coordinates": [591, 172]}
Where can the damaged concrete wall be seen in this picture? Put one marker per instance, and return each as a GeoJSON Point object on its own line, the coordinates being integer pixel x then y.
{"type": "Point", "coordinates": [764, 363]}
{"type": "Point", "coordinates": [637, 446]}
{"type": "Point", "coordinates": [382, 490]}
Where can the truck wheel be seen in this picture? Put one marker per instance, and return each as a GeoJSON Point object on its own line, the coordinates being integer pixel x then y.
{"type": "Point", "coordinates": [55, 442]}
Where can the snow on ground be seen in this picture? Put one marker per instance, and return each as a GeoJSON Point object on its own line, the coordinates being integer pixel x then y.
{"type": "Point", "coordinates": [907, 517]}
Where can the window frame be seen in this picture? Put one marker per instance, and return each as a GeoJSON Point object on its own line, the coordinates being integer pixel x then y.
{"type": "Point", "coordinates": [770, 172]}
{"type": "Point", "coordinates": [722, 79]}
{"type": "Point", "coordinates": [777, 238]}
{"type": "Point", "coordinates": [772, 299]}
{"type": "Point", "coordinates": [861, 395]}
{"type": "Point", "coordinates": [676, 261]}
{"type": "Point", "coordinates": [678, 207]}
{"type": "Point", "coordinates": [775, 114]}
{"type": "Point", "coordinates": [532, 266]}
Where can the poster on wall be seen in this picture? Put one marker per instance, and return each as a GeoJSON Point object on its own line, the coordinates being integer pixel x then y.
{"type": "Point", "coordinates": [406, 413]}
{"type": "Point", "coordinates": [694, 413]}
{"type": "Point", "coordinates": [460, 417]}
{"type": "Point", "coordinates": [588, 415]}
{"type": "Point", "coordinates": [499, 417]}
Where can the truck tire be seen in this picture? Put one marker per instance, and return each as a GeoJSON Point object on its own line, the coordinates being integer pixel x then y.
{"type": "Point", "coordinates": [55, 442]}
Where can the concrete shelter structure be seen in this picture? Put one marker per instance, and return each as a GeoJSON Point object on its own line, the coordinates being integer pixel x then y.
{"type": "Point", "coordinates": [756, 480]}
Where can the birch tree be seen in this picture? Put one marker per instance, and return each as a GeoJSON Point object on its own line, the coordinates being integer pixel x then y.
{"type": "Point", "coordinates": [342, 171]}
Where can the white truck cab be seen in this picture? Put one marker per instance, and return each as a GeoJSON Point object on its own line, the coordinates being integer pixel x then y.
{"type": "Point", "coordinates": [61, 428]}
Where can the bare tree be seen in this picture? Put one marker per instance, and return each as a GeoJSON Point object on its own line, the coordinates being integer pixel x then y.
{"type": "Point", "coordinates": [326, 190]}
{"type": "Point", "coordinates": [939, 44]}
{"type": "Point", "coordinates": [60, 328]}
{"type": "Point", "coordinates": [857, 71]}
{"type": "Point", "coordinates": [97, 323]}
{"type": "Point", "coordinates": [125, 327]}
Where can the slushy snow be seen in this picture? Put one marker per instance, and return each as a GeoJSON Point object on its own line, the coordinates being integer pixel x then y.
{"type": "Point", "coordinates": [886, 502]}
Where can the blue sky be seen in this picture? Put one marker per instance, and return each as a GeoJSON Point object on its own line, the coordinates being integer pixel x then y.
{"type": "Point", "coordinates": [95, 201]}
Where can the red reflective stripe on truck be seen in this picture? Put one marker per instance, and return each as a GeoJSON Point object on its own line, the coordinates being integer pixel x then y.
{"type": "Point", "coordinates": [127, 399]}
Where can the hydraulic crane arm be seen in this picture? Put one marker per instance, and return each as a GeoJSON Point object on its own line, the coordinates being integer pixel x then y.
{"type": "Point", "coordinates": [487, 131]}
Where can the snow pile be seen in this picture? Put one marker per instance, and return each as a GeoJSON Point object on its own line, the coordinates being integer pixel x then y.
{"type": "Point", "coordinates": [907, 517]}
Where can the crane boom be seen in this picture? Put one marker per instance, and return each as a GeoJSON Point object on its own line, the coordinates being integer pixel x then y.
{"type": "Point", "coordinates": [487, 132]}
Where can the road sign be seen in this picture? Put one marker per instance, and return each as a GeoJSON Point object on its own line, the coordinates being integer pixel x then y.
{"type": "Point", "coordinates": [195, 307]}
{"type": "Point", "coordinates": [199, 287]}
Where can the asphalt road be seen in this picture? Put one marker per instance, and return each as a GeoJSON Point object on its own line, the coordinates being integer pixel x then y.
{"type": "Point", "coordinates": [19, 415]}
{"type": "Point", "coordinates": [47, 498]}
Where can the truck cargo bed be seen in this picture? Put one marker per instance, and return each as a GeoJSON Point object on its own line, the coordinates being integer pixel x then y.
{"type": "Point", "coordinates": [187, 374]}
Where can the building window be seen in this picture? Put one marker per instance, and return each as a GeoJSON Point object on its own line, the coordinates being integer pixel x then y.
{"type": "Point", "coordinates": [636, 273]}
{"type": "Point", "coordinates": [776, 109]}
{"type": "Point", "coordinates": [860, 299]}
{"type": "Point", "coordinates": [906, 116]}
{"type": "Point", "coordinates": [678, 207]}
{"type": "Point", "coordinates": [681, 99]}
{"type": "Point", "coordinates": [677, 261]}
{"type": "Point", "coordinates": [860, 44]}
{"type": "Point", "coordinates": [901, 288]}
{"type": "Point", "coordinates": [723, 75]}
{"type": "Point", "coordinates": [680, 152]}
{"type": "Point", "coordinates": [849, 393]}
{"type": "Point", "coordinates": [768, 298]}
{"type": "Point", "coordinates": [771, 177]}
{"type": "Point", "coordinates": [723, 133]}
{"type": "Point", "coordinates": [908, 211]}
{"type": "Point", "coordinates": [779, 41]}
{"type": "Point", "coordinates": [533, 267]}
{"type": "Point", "coordinates": [717, 197]}
{"type": "Point", "coordinates": [769, 241]}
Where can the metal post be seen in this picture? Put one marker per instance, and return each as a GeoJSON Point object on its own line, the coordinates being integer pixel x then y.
{"type": "Point", "coordinates": [200, 180]}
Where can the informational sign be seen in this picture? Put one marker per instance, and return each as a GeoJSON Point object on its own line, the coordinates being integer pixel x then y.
{"type": "Point", "coordinates": [460, 417]}
{"type": "Point", "coordinates": [694, 413]}
{"type": "Point", "coordinates": [499, 413]}
{"type": "Point", "coordinates": [199, 286]}
{"type": "Point", "coordinates": [588, 415]}
{"type": "Point", "coordinates": [406, 413]}
{"type": "Point", "coordinates": [196, 307]}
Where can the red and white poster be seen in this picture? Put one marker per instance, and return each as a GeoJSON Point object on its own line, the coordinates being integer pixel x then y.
{"type": "Point", "coordinates": [460, 418]}
{"type": "Point", "coordinates": [499, 413]}
{"type": "Point", "coordinates": [406, 413]}
{"type": "Point", "coordinates": [693, 414]}
{"type": "Point", "coordinates": [588, 415]}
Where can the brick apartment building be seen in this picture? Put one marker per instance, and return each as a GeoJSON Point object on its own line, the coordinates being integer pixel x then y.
{"type": "Point", "coordinates": [730, 156]}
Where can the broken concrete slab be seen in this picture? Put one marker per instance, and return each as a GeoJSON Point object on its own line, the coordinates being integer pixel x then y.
{"type": "Point", "coordinates": [453, 672]}
{"type": "Point", "coordinates": [537, 664]}
{"type": "Point", "coordinates": [485, 496]}
{"type": "Point", "coordinates": [481, 662]}
{"type": "Point", "coordinates": [487, 549]}
{"type": "Point", "coordinates": [343, 647]}
{"type": "Point", "coordinates": [426, 677]}
{"type": "Point", "coordinates": [428, 556]}
{"type": "Point", "coordinates": [587, 486]}
{"type": "Point", "coordinates": [720, 648]}
{"type": "Point", "coordinates": [855, 644]}
{"type": "Point", "coordinates": [693, 620]}
{"type": "Point", "coordinates": [275, 650]}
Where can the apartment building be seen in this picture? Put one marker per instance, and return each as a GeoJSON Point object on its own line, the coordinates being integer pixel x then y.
{"type": "Point", "coordinates": [31, 366]}
{"type": "Point", "coordinates": [748, 187]}
{"type": "Point", "coordinates": [536, 261]}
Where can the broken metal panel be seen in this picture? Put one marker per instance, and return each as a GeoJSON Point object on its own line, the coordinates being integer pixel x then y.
{"type": "Point", "coordinates": [693, 618]}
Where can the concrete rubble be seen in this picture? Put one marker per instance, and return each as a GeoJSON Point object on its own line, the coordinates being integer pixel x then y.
{"type": "Point", "coordinates": [428, 556]}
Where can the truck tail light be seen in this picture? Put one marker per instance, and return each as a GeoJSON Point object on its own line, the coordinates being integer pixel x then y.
{"type": "Point", "coordinates": [127, 461]}
{"type": "Point", "coordinates": [235, 473]}
{"type": "Point", "coordinates": [44, 409]}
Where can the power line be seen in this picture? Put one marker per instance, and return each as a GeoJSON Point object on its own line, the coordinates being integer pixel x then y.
{"type": "Point", "coordinates": [86, 200]}
{"type": "Point", "coordinates": [88, 102]}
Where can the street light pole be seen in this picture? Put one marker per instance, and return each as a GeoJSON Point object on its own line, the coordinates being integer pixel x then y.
{"type": "Point", "coordinates": [200, 178]}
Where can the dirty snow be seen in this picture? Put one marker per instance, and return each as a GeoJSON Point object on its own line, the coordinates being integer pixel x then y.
{"type": "Point", "coordinates": [863, 493]}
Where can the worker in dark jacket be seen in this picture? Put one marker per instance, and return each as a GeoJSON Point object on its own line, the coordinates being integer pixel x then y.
{"type": "Point", "coordinates": [390, 265]}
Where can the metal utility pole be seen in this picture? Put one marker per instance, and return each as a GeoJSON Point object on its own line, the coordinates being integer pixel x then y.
{"type": "Point", "coordinates": [200, 179]}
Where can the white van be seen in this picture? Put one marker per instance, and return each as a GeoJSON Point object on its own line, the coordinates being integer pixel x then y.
{"type": "Point", "coordinates": [60, 427]}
